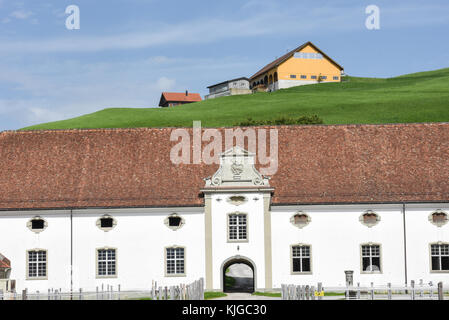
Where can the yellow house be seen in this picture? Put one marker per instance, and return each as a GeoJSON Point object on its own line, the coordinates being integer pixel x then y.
{"type": "Point", "coordinates": [304, 65]}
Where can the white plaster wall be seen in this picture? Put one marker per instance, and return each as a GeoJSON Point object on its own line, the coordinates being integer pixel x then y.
{"type": "Point", "coordinates": [283, 84]}
{"type": "Point", "coordinates": [253, 249]}
{"type": "Point", "coordinates": [140, 239]}
{"type": "Point", "coordinates": [420, 234]}
{"type": "Point", "coordinates": [16, 239]}
{"type": "Point", "coordinates": [335, 235]}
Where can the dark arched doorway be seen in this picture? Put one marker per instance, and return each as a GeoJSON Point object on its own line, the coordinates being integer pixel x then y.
{"type": "Point", "coordinates": [238, 275]}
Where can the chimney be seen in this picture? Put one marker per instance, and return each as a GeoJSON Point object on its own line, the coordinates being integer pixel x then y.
{"type": "Point", "coordinates": [187, 93]}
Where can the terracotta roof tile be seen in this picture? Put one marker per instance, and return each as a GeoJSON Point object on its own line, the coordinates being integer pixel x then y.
{"type": "Point", "coordinates": [132, 167]}
{"type": "Point", "coordinates": [181, 96]}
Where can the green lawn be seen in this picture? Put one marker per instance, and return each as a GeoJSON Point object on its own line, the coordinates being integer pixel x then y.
{"type": "Point", "coordinates": [267, 294]}
{"type": "Point", "coordinates": [212, 295]}
{"type": "Point", "coordinates": [419, 97]}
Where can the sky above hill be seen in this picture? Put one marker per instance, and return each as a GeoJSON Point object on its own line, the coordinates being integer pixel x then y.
{"type": "Point", "coordinates": [126, 52]}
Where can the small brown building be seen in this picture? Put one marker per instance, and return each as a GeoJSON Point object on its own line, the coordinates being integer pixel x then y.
{"type": "Point", "coordinates": [171, 99]}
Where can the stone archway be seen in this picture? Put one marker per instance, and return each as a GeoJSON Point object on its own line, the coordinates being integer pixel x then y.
{"type": "Point", "coordinates": [242, 283]}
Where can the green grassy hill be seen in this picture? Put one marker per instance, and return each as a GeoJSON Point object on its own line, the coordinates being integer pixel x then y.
{"type": "Point", "coordinates": [419, 97]}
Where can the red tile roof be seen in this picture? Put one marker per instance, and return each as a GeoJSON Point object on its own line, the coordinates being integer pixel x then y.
{"type": "Point", "coordinates": [181, 97]}
{"type": "Point", "coordinates": [4, 263]}
{"type": "Point", "coordinates": [286, 56]}
{"type": "Point", "coordinates": [132, 167]}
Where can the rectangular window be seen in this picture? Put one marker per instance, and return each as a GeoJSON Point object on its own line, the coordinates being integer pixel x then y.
{"type": "Point", "coordinates": [440, 257]}
{"type": "Point", "coordinates": [37, 264]}
{"type": "Point", "coordinates": [293, 76]}
{"type": "Point", "coordinates": [336, 78]}
{"type": "Point", "coordinates": [175, 261]}
{"type": "Point", "coordinates": [237, 226]}
{"type": "Point", "coordinates": [303, 76]}
{"type": "Point", "coordinates": [313, 77]}
{"type": "Point", "coordinates": [371, 258]}
{"type": "Point", "coordinates": [301, 259]}
{"type": "Point", "coordinates": [106, 259]}
{"type": "Point", "coordinates": [324, 77]}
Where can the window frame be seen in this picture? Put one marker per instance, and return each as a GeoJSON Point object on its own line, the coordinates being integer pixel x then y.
{"type": "Point", "coordinates": [30, 224]}
{"type": "Point", "coordinates": [303, 76]}
{"type": "Point", "coordinates": [174, 215]}
{"type": "Point", "coordinates": [438, 211]}
{"type": "Point", "coordinates": [97, 275]}
{"type": "Point", "coordinates": [336, 78]}
{"type": "Point", "coordinates": [293, 76]}
{"type": "Point", "coordinates": [362, 271]}
{"type": "Point", "coordinates": [28, 265]}
{"type": "Point", "coordinates": [106, 229]}
{"type": "Point", "coordinates": [430, 257]}
{"type": "Point", "coordinates": [369, 225]}
{"type": "Point", "coordinates": [228, 228]}
{"type": "Point", "coordinates": [166, 260]}
{"type": "Point", "coordinates": [310, 259]}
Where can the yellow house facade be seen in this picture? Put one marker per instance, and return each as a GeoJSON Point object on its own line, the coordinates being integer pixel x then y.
{"type": "Point", "coordinates": [306, 64]}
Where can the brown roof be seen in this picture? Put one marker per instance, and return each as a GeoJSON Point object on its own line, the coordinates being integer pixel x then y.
{"type": "Point", "coordinates": [180, 97]}
{"type": "Point", "coordinates": [132, 167]}
{"type": "Point", "coordinates": [4, 263]}
{"type": "Point", "coordinates": [286, 56]}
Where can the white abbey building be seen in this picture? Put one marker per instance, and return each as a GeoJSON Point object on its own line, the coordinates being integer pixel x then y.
{"type": "Point", "coordinates": [82, 208]}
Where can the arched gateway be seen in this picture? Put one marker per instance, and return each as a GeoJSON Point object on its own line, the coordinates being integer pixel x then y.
{"type": "Point", "coordinates": [243, 282]}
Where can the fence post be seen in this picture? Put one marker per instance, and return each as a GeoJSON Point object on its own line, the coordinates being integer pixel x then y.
{"type": "Point", "coordinates": [24, 294]}
{"type": "Point", "coordinates": [440, 291]}
{"type": "Point", "coordinates": [358, 291]}
{"type": "Point", "coordinates": [160, 293]}
{"type": "Point", "coordinates": [431, 290]}
{"type": "Point", "coordinates": [421, 290]}
{"type": "Point", "coordinates": [307, 292]}
{"type": "Point", "coordinates": [412, 283]}
{"type": "Point", "coordinates": [389, 291]}
{"type": "Point", "coordinates": [1, 294]}
{"type": "Point", "coordinates": [48, 294]}
{"type": "Point", "coordinates": [119, 292]}
{"type": "Point", "coordinates": [102, 291]}
{"type": "Point", "coordinates": [312, 292]}
{"type": "Point", "coordinates": [81, 294]}
{"type": "Point", "coordinates": [372, 290]}
{"type": "Point", "coordinates": [319, 289]}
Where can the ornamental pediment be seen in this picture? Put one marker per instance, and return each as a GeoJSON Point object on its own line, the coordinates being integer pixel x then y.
{"type": "Point", "coordinates": [237, 170]}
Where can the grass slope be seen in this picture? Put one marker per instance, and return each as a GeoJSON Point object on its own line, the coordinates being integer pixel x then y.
{"type": "Point", "coordinates": [419, 97]}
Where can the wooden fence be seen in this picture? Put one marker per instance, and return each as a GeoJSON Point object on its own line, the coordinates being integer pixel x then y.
{"type": "Point", "coordinates": [193, 291]}
{"type": "Point", "coordinates": [388, 292]}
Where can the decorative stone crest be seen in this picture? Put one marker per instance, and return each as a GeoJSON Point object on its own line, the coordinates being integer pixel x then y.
{"type": "Point", "coordinates": [236, 200]}
{"type": "Point", "coordinates": [438, 218]}
{"type": "Point", "coordinates": [237, 169]}
{"type": "Point", "coordinates": [369, 218]}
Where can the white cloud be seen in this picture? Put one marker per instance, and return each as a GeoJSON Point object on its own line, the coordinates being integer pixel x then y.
{"type": "Point", "coordinates": [21, 14]}
{"type": "Point", "coordinates": [164, 84]}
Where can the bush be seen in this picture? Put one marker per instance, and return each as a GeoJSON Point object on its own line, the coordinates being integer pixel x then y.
{"type": "Point", "coordinates": [282, 121]}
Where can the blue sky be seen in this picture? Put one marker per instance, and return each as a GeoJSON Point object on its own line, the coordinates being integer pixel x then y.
{"type": "Point", "coordinates": [128, 51]}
